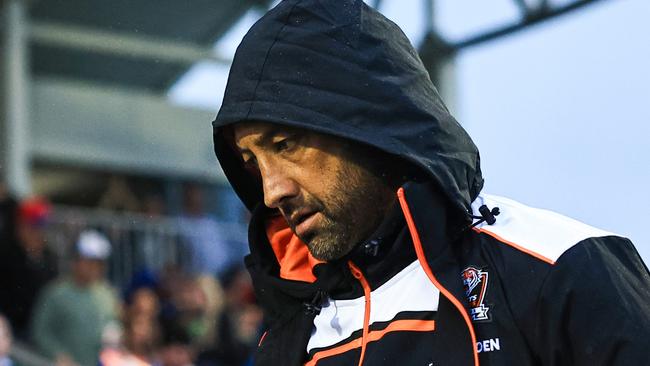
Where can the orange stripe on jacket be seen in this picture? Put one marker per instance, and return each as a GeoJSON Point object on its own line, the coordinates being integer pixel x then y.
{"type": "Point", "coordinates": [516, 246]}
{"type": "Point", "coordinates": [398, 325]}
{"type": "Point", "coordinates": [419, 250]}
{"type": "Point", "coordinates": [356, 272]}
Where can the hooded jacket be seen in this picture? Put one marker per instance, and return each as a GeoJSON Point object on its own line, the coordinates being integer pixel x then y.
{"type": "Point", "coordinates": [453, 276]}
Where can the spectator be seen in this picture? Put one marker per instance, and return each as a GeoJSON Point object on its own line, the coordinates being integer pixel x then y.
{"type": "Point", "coordinates": [239, 327]}
{"type": "Point", "coordinates": [190, 304]}
{"type": "Point", "coordinates": [153, 205]}
{"type": "Point", "coordinates": [114, 354]}
{"type": "Point", "coordinates": [193, 303]}
{"type": "Point", "coordinates": [176, 349]}
{"type": "Point", "coordinates": [72, 313]}
{"type": "Point", "coordinates": [27, 264]}
{"type": "Point", "coordinates": [118, 357]}
{"type": "Point", "coordinates": [143, 303]}
{"type": "Point", "coordinates": [118, 196]}
{"type": "Point", "coordinates": [138, 338]}
{"type": "Point", "coordinates": [141, 329]}
{"type": "Point", "coordinates": [141, 295]}
{"type": "Point", "coordinates": [141, 337]}
{"type": "Point", "coordinates": [153, 245]}
{"type": "Point", "coordinates": [209, 251]}
{"type": "Point", "coordinates": [5, 342]}
{"type": "Point", "coordinates": [213, 307]}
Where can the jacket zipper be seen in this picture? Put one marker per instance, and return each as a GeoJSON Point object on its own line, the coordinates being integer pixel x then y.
{"type": "Point", "coordinates": [356, 272]}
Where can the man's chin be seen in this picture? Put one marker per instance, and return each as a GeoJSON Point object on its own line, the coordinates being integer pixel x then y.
{"type": "Point", "coordinates": [325, 251]}
{"type": "Point", "coordinates": [325, 243]}
{"type": "Point", "coordinates": [317, 251]}
{"type": "Point", "coordinates": [322, 256]}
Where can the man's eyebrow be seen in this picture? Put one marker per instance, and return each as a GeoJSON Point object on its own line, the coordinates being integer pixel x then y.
{"type": "Point", "coordinates": [265, 138]}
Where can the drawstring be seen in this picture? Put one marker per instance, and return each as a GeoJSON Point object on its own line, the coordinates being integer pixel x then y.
{"type": "Point", "coordinates": [315, 305]}
{"type": "Point", "coordinates": [487, 216]}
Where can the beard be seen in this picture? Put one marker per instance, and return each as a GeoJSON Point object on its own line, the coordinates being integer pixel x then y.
{"type": "Point", "coordinates": [351, 210]}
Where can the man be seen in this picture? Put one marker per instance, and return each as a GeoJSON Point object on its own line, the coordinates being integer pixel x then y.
{"type": "Point", "coordinates": [371, 241]}
{"type": "Point", "coordinates": [26, 262]}
{"type": "Point", "coordinates": [72, 314]}
{"type": "Point", "coordinates": [202, 234]}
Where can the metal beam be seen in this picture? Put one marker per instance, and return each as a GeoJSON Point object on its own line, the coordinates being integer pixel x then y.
{"type": "Point", "coordinates": [14, 122]}
{"type": "Point", "coordinates": [533, 18]}
{"type": "Point", "coordinates": [430, 16]}
{"type": "Point", "coordinates": [146, 47]}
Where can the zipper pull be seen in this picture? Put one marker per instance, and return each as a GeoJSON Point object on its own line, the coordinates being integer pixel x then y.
{"type": "Point", "coordinates": [356, 273]}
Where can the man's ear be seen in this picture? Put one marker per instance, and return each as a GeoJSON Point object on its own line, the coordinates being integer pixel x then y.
{"type": "Point", "coordinates": [227, 134]}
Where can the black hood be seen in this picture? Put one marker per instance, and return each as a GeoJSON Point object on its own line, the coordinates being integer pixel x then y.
{"type": "Point", "coordinates": [341, 68]}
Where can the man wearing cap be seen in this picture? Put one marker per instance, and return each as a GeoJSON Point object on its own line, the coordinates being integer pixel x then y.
{"type": "Point", "coordinates": [26, 263]}
{"type": "Point", "coordinates": [73, 312]}
{"type": "Point", "coordinates": [371, 240]}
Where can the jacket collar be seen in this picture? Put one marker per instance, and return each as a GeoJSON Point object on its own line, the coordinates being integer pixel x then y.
{"type": "Point", "coordinates": [428, 221]}
{"type": "Point", "coordinates": [291, 271]}
{"type": "Point", "coordinates": [436, 228]}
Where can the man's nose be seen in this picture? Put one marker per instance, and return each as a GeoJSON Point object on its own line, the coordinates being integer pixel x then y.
{"type": "Point", "coordinates": [278, 186]}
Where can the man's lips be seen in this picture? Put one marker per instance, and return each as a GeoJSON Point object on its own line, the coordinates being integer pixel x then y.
{"type": "Point", "coordinates": [304, 222]}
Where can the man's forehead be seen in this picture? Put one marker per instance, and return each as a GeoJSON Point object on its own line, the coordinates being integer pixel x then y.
{"type": "Point", "coordinates": [241, 130]}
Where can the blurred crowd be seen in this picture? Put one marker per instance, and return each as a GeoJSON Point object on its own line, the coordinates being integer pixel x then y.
{"type": "Point", "coordinates": [203, 313]}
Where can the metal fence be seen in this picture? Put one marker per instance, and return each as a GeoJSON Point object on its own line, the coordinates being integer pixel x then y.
{"type": "Point", "coordinates": [138, 241]}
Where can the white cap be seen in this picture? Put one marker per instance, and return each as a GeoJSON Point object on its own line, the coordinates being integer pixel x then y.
{"type": "Point", "coordinates": [93, 245]}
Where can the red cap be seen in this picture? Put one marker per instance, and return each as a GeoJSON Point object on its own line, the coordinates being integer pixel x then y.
{"type": "Point", "coordinates": [34, 211]}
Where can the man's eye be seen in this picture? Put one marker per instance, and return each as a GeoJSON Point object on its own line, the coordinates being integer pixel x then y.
{"type": "Point", "coordinates": [284, 144]}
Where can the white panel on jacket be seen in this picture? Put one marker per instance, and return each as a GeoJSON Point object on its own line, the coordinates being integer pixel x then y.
{"type": "Point", "coordinates": [409, 290]}
{"type": "Point", "coordinates": [535, 231]}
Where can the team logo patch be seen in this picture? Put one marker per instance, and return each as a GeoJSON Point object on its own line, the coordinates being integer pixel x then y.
{"type": "Point", "coordinates": [475, 282]}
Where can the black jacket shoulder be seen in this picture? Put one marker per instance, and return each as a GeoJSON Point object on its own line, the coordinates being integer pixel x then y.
{"type": "Point", "coordinates": [594, 306]}
{"type": "Point", "coordinates": [578, 294]}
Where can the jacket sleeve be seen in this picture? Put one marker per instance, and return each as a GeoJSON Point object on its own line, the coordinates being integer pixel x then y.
{"type": "Point", "coordinates": [594, 306]}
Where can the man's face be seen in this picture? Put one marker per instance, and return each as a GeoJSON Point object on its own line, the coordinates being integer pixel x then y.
{"type": "Point", "coordinates": [88, 271]}
{"type": "Point", "coordinates": [32, 238]}
{"type": "Point", "coordinates": [322, 185]}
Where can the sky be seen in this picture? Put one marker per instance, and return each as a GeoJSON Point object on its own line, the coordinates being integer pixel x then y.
{"type": "Point", "coordinates": [560, 111]}
{"type": "Point", "coordinates": [560, 115]}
